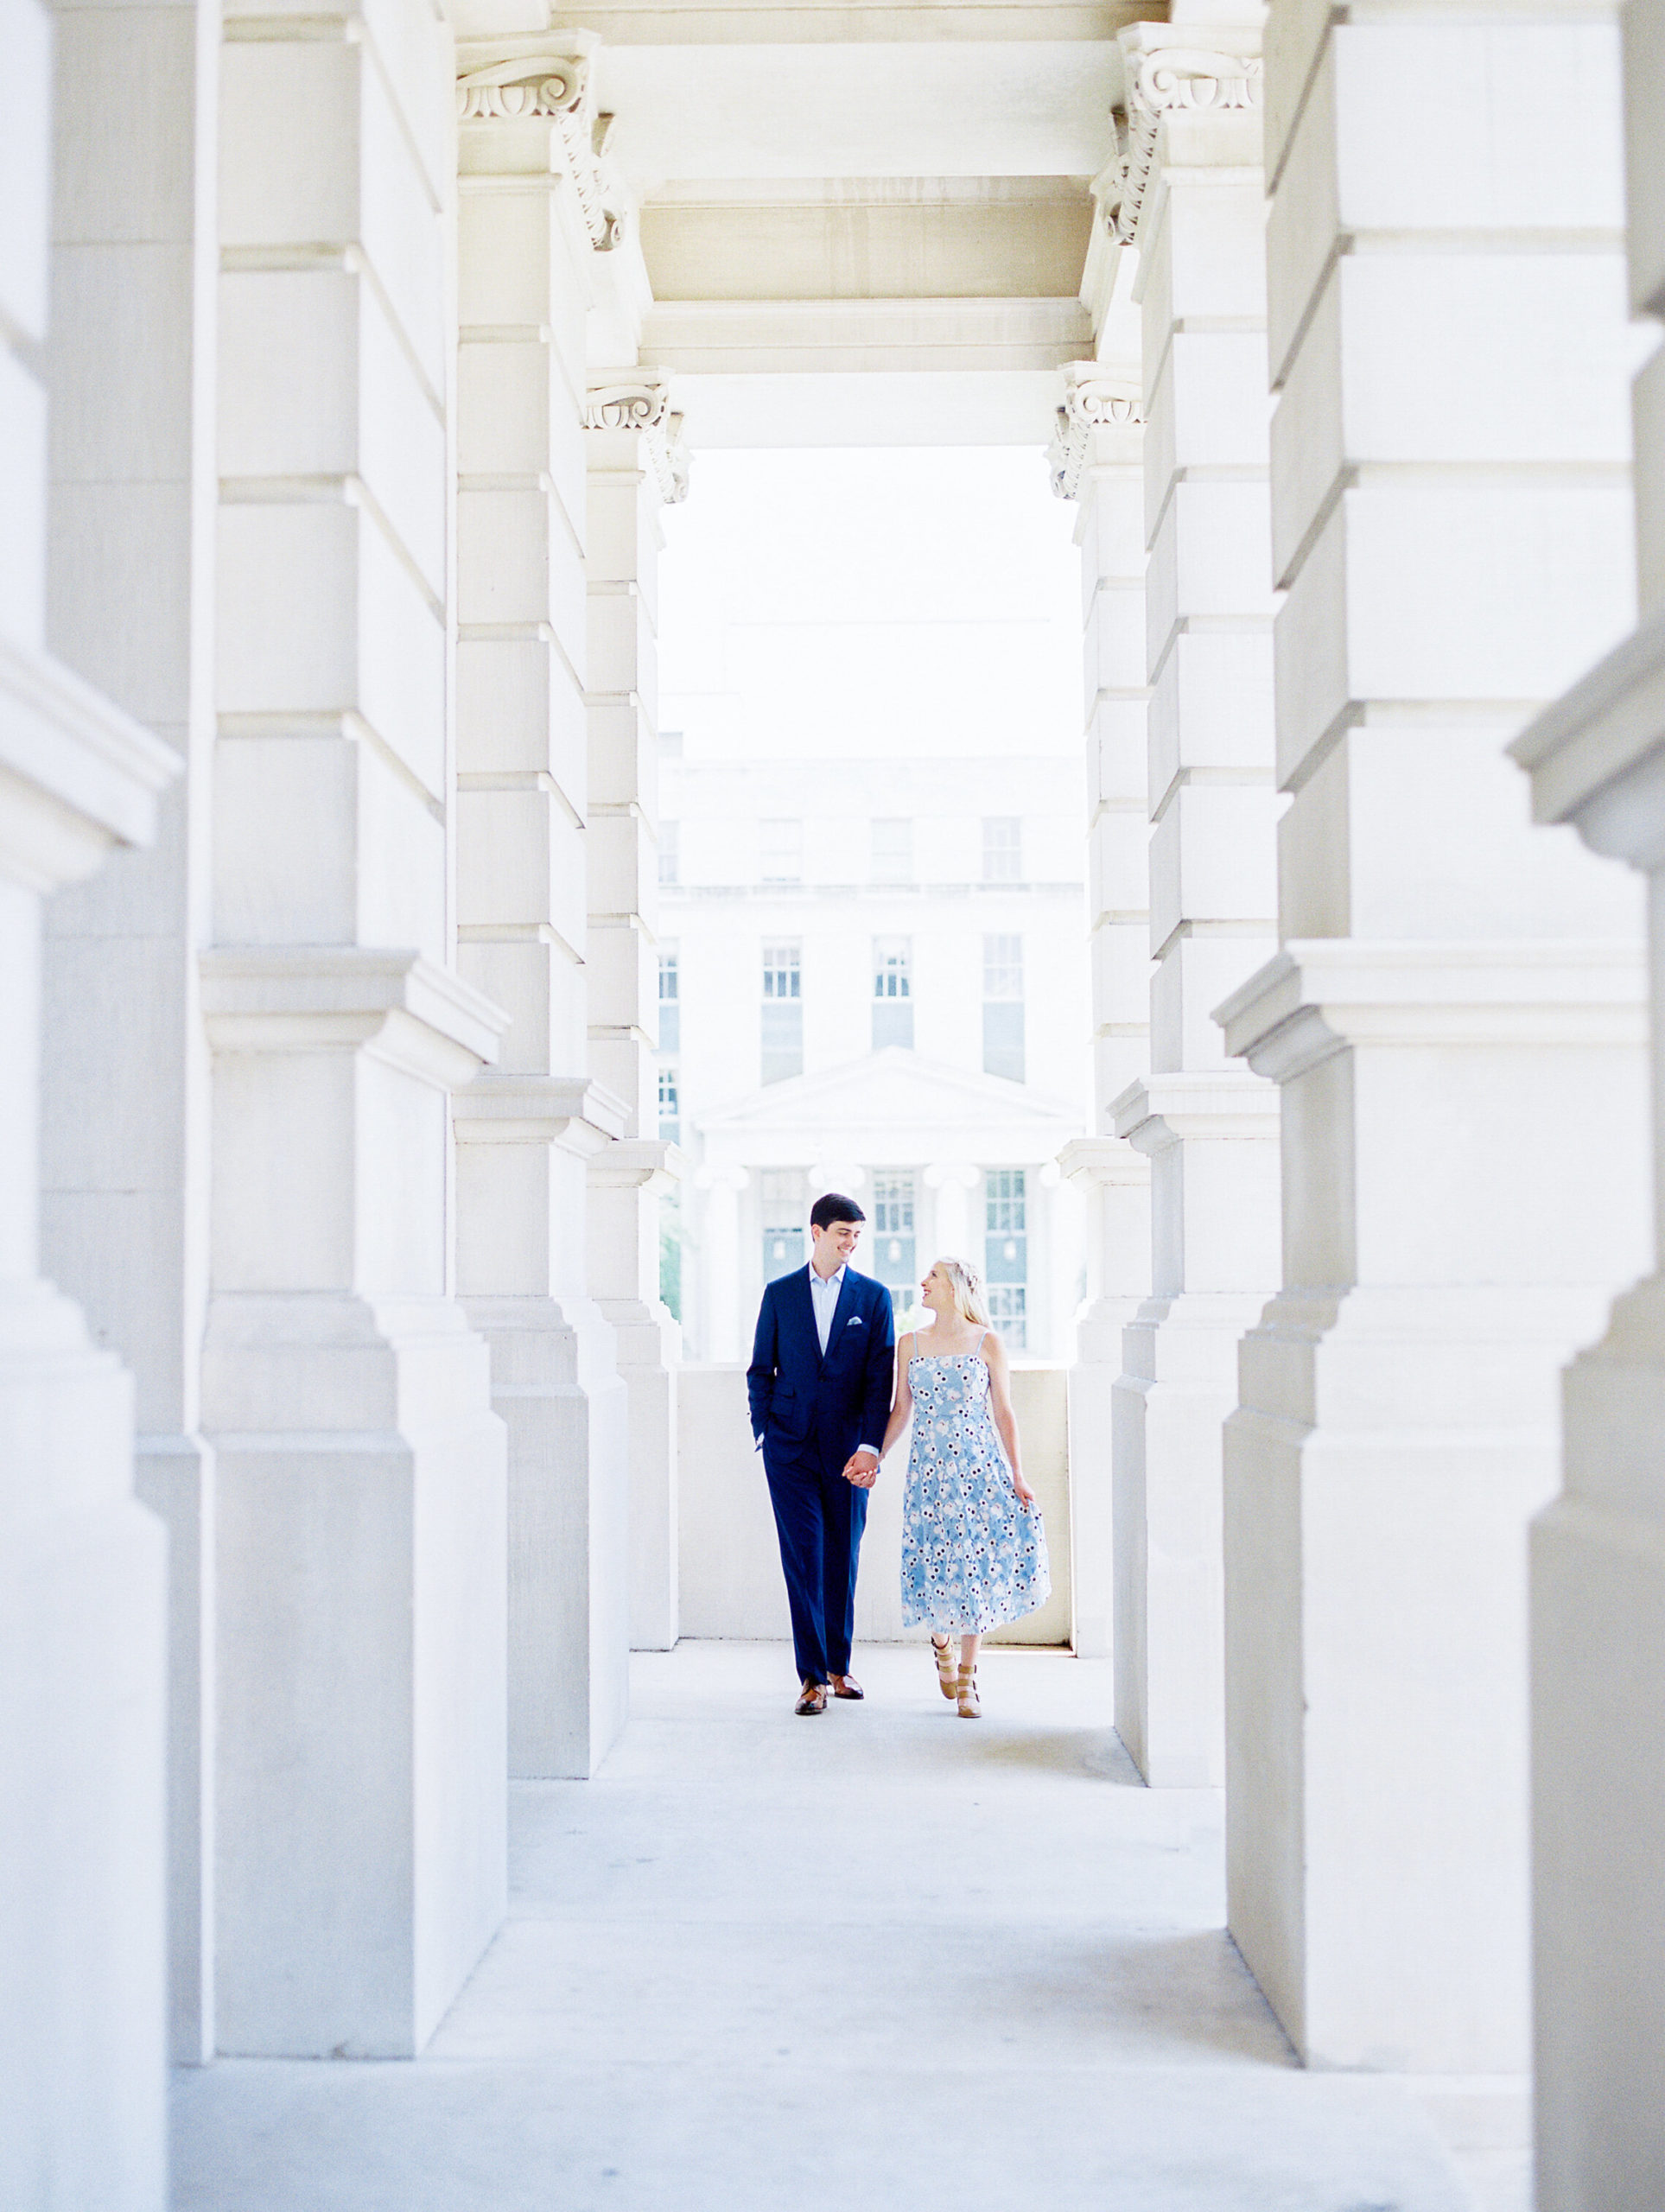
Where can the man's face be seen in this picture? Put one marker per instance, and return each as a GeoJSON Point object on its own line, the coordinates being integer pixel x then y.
{"type": "Point", "coordinates": [834, 1245]}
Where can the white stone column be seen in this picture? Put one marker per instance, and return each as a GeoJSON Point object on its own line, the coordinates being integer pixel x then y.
{"type": "Point", "coordinates": [362, 1538]}
{"type": "Point", "coordinates": [953, 1182]}
{"type": "Point", "coordinates": [82, 1570]}
{"type": "Point", "coordinates": [1191, 202]}
{"type": "Point", "coordinates": [124, 1153]}
{"type": "Point", "coordinates": [1097, 461]}
{"type": "Point", "coordinates": [636, 465]}
{"type": "Point", "coordinates": [1598, 1551]}
{"type": "Point", "coordinates": [530, 222]}
{"type": "Point", "coordinates": [1454, 1017]}
{"type": "Point", "coordinates": [719, 1264]}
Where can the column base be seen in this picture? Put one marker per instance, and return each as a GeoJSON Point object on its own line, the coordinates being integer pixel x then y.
{"type": "Point", "coordinates": [360, 1563]}
{"type": "Point", "coordinates": [555, 1383]}
{"type": "Point", "coordinates": [1090, 1385]}
{"type": "Point", "coordinates": [1380, 1473]}
{"type": "Point", "coordinates": [175, 1476]}
{"type": "Point", "coordinates": [1599, 1778]}
{"type": "Point", "coordinates": [83, 1602]}
{"type": "Point", "coordinates": [649, 1356]}
{"type": "Point", "coordinates": [1178, 1384]}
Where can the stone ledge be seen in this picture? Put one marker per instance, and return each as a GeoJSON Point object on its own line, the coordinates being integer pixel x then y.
{"type": "Point", "coordinates": [579, 1115]}
{"type": "Point", "coordinates": [418, 1017]}
{"type": "Point", "coordinates": [1159, 1110]}
{"type": "Point", "coordinates": [1320, 995]}
{"type": "Point", "coordinates": [76, 773]}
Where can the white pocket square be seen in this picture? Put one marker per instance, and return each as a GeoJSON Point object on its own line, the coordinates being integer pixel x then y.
{"type": "Point", "coordinates": [855, 1321]}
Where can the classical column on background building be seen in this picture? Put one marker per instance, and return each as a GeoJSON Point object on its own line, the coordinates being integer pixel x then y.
{"type": "Point", "coordinates": [637, 465]}
{"type": "Point", "coordinates": [1096, 460]}
{"type": "Point", "coordinates": [1597, 1593]}
{"type": "Point", "coordinates": [82, 1568]}
{"type": "Point", "coordinates": [361, 1486]}
{"type": "Point", "coordinates": [728, 1330]}
{"type": "Point", "coordinates": [952, 1182]}
{"type": "Point", "coordinates": [125, 1128]}
{"type": "Point", "coordinates": [1189, 198]}
{"type": "Point", "coordinates": [1454, 1017]}
{"type": "Point", "coordinates": [531, 218]}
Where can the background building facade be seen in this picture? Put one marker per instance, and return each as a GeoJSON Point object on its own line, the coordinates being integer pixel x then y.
{"type": "Point", "coordinates": [873, 931]}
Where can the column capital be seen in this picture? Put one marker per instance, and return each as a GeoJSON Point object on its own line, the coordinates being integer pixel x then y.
{"type": "Point", "coordinates": [639, 400]}
{"type": "Point", "coordinates": [537, 78]}
{"type": "Point", "coordinates": [637, 1164]}
{"type": "Point", "coordinates": [958, 1175]}
{"type": "Point", "coordinates": [1095, 399]}
{"type": "Point", "coordinates": [1103, 1162]}
{"type": "Point", "coordinates": [1172, 68]}
{"type": "Point", "coordinates": [722, 1179]}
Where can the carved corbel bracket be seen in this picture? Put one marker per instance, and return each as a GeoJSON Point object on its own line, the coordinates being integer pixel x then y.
{"type": "Point", "coordinates": [639, 400]}
{"type": "Point", "coordinates": [1161, 82]}
{"type": "Point", "coordinates": [1093, 400]}
{"type": "Point", "coordinates": [515, 81]}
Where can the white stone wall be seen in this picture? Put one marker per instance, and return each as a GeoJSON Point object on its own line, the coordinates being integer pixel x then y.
{"type": "Point", "coordinates": [731, 1580]}
{"type": "Point", "coordinates": [1598, 1656]}
{"type": "Point", "coordinates": [361, 1512]}
{"type": "Point", "coordinates": [1453, 999]}
{"type": "Point", "coordinates": [83, 2035]}
{"type": "Point", "coordinates": [125, 1165]}
{"type": "Point", "coordinates": [1191, 204]}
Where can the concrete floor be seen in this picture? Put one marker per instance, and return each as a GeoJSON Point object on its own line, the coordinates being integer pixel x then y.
{"type": "Point", "coordinates": [885, 1959]}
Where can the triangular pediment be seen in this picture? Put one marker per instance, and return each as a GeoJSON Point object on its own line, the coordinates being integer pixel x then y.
{"type": "Point", "coordinates": [892, 1099]}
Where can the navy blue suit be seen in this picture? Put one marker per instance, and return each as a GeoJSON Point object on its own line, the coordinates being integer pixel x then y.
{"type": "Point", "coordinates": [809, 1414]}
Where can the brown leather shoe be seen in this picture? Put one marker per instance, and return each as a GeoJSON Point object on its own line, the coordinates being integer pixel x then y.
{"type": "Point", "coordinates": [812, 1698]}
{"type": "Point", "coordinates": [847, 1686]}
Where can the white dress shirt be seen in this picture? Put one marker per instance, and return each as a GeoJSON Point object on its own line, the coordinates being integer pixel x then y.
{"type": "Point", "coordinates": [824, 1296]}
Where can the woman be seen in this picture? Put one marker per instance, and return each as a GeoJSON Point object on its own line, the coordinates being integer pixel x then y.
{"type": "Point", "coordinates": [974, 1551]}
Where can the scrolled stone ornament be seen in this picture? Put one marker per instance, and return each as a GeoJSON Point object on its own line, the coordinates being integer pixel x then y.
{"type": "Point", "coordinates": [508, 91]}
{"type": "Point", "coordinates": [1166, 79]}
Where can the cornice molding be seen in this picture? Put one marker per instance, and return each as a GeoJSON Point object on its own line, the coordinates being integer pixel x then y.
{"type": "Point", "coordinates": [1163, 79]}
{"type": "Point", "coordinates": [1094, 400]}
{"type": "Point", "coordinates": [639, 400]}
{"type": "Point", "coordinates": [526, 79]}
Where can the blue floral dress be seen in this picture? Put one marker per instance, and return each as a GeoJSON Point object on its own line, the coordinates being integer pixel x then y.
{"type": "Point", "coordinates": [972, 1557]}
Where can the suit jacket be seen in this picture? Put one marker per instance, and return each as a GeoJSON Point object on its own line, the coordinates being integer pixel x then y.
{"type": "Point", "coordinates": [803, 1406]}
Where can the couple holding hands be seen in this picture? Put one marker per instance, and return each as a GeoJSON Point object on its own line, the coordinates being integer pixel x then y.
{"type": "Point", "coordinates": [831, 1391]}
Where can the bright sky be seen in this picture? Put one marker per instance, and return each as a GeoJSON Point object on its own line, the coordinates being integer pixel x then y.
{"type": "Point", "coordinates": [873, 601]}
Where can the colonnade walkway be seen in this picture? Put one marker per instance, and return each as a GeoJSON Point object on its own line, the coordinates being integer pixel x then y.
{"type": "Point", "coordinates": [881, 1960]}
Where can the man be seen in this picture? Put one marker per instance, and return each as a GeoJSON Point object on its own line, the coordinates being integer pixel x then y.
{"type": "Point", "coordinates": [820, 1387]}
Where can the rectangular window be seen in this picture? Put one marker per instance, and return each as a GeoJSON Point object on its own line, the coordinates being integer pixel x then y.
{"type": "Point", "coordinates": [780, 852]}
{"type": "Point", "coordinates": [783, 1014]}
{"type": "Point", "coordinates": [1002, 849]}
{"type": "Point", "coordinates": [1003, 1006]}
{"type": "Point", "coordinates": [1005, 1252]}
{"type": "Point", "coordinates": [670, 852]}
{"type": "Point", "coordinates": [893, 852]}
{"type": "Point", "coordinates": [670, 1008]}
{"type": "Point", "coordinates": [785, 1244]}
{"type": "Point", "coordinates": [1007, 1305]}
{"type": "Point", "coordinates": [670, 1118]}
{"type": "Point", "coordinates": [892, 1229]}
{"type": "Point", "coordinates": [893, 995]}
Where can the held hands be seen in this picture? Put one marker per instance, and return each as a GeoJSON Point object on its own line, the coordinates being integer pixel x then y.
{"type": "Point", "coordinates": [861, 1468]}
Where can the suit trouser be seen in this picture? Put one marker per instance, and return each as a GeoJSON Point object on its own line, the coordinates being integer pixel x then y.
{"type": "Point", "coordinates": [819, 1519]}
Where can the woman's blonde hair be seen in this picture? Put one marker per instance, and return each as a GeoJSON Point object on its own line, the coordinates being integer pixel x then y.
{"type": "Point", "coordinates": [967, 1285]}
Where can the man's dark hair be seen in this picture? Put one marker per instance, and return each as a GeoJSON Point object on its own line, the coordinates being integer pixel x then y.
{"type": "Point", "coordinates": [833, 1207]}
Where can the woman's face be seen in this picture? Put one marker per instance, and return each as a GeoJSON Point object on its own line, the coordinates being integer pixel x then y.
{"type": "Point", "coordinates": [936, 1291]}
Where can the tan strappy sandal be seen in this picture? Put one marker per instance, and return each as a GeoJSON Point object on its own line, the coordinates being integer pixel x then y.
{"type": "Point", "coordinates": [947, 1672]}
{"type": "Point", "coordinates": [970, 1708]}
